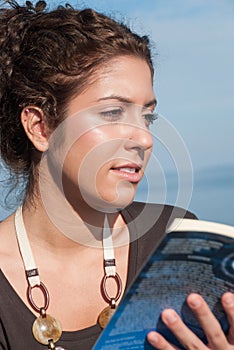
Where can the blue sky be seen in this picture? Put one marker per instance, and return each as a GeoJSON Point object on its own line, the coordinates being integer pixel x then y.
{"type": "Point", "coordinates": [193, 44]}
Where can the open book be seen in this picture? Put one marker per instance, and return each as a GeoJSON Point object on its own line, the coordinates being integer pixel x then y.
{"type": "Point", "coordinates": [195, 256]}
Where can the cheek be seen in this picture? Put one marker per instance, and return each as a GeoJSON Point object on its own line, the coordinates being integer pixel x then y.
{"type": "Point", "coordinates": [82, 152]}
{"type": "Point", "coordinates": [95, 186]}
{"type": "Point", "coordinates": [86, 162]}
{"type": "Point", "coordinates": [94, 161]}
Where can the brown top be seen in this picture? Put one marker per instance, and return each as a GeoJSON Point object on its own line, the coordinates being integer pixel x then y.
{"type": "Point", "coordinates": [16, 319]}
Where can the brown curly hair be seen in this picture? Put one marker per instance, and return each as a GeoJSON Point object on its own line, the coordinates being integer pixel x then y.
{"type": "Point", "coordinates": [48, 57]}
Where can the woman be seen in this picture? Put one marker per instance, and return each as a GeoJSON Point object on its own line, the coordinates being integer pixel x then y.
{"type": "Point", "coordinates": [76, 105]}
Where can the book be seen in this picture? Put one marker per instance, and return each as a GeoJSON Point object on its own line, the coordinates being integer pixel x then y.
{"type": "Point", "coordinates": [194, 256]}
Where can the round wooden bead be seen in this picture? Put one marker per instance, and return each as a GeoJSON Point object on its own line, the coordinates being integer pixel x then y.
{"type": "Point", "coordinates": [46, 328]}
{"type": "Point", "coordinates": [105, 316]}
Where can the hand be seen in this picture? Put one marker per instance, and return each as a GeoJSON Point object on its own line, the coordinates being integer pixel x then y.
{"type": "Point", "coordinates": [217, 340]}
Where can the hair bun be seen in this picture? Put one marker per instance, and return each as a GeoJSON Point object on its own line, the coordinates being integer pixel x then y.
{"type": "Point", "coordinates": [14, 24]}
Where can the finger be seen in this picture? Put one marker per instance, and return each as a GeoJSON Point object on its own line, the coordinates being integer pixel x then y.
{"type": "Point", "coordinates": [158, 342]}
{"type": "Point", "coordinates": [185, 336]}
{"type": "Point", "coordinates": [211, 326]}
{"type": "Point", "coordinates": [228, 305]}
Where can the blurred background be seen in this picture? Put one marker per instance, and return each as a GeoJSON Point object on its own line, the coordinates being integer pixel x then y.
{"type": "Point", "coordinates": [193, 51]}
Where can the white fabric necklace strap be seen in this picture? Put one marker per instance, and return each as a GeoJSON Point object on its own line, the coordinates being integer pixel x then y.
{"type": "Point", "coordinates": [25, 250]}
{"type": "Point", "coordinates": [28, 259]}
{"type": "Point", "coordinates": [108, 250]}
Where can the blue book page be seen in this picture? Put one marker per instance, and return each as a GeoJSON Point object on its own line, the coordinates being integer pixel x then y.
{"type": "Point", "coordinates": [185, 262]}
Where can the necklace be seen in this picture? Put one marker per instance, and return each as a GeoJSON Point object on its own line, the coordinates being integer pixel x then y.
{"type": "Point", "coordinates": [46, 329]}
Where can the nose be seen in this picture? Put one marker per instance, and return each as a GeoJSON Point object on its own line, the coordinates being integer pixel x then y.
{"type": "Point", "coordinates": [137, 134]}
{"type": "Point", "coordinates": [138, 138]}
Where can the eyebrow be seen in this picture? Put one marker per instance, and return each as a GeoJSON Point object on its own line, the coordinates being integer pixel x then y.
{"type": "Point", "coordinates": [126, 100]}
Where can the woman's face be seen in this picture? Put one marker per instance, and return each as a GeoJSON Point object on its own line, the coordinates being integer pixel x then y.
{"type": "Point", "coordinates": [107, 138]}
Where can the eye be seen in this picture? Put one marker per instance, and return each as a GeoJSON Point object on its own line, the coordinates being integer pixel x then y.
{"type": "Point", "coordinates": [112, 115]}
{"type": "Point", "coordinates": [150, 118]}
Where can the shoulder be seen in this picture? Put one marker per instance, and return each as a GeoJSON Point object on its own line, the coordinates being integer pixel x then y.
{"type": "Point", "coordinates": [148, 224]}
{"type": "Point", "coordinates": [156, 214]}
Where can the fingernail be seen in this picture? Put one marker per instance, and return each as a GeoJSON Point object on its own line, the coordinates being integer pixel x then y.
{"type": "Point", "coordinates": [152, 338]}
{"type": "Point", "coordinates": [194, 301]}
{"type": "Point", "coordinates": [229, 300]}
{"type": "Point", "coordinates": [170, 316]}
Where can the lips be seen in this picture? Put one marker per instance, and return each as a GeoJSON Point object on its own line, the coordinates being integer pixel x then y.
{"type": "Point", "coordinates": [130, 172]}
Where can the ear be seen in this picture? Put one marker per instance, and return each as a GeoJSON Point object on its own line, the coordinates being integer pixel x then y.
{"type": "Point", "coordinates": [33, 121]}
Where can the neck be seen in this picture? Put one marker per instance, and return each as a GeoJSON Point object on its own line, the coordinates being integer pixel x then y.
{"type": "Point", "coordinates": [62, 232]}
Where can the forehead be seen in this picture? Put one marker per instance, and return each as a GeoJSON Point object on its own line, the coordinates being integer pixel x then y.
{"type": "Point", "coordinates": [124, 72]}
{"type": "Point", "coordinates": [122, 63]}
{"type": "Point", "coordinates": [126, 76]}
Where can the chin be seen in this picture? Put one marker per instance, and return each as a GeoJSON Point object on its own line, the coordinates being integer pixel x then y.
{"type": "Point", "coordinates": [111, 203]}
{"type": "Point", "coordinates": [124, 196]}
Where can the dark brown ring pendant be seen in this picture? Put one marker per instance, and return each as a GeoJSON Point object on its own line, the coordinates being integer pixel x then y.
{"type": "Point", "coordinates": [105, 294]}
{"type": "Point", "coordinates": [45, 293]}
